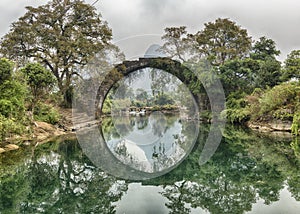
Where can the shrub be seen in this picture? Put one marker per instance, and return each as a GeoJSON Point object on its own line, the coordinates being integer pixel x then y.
{"type": "Point", "coordinates": [296, 124]}
{"type": "Point", "coordinates": [46, 113]}
{"type": "Point", "coordinates": [6, 68]}
{"type": "Point", "coordinates": [10, 126]}
{"type": "Point", "coordinates": [238, 110]}
{"type": "Point", "coordinates": [278, 97]}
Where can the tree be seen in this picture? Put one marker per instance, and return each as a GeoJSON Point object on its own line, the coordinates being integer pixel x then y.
{"type": "Point", "coordinates": [264, 51]}
{"type": "Point", "coordinates": [39, 79]}
{"type": "Point", "coordinates": [292, 65]}
{"type": "Point", "coordinates": [238, 75]}
{"type": "Point", "coordinates": [6, 68]}
{"type": "Point", "coordinates": [12, 101]}
{"type": "Point", "coordinates": [176, 42]}
{"type": "Point", "coordinates": [264, 48]}
{"type": "Point", "coordinates": [164, 99]}
{"type": "Point", "coordinates": [269, 73]}
{"type": "Point", "coordinates": [222, 40]}
{"type": "Point", "coordinates": [62, 35]}
{"type": "Point", "coordinates": [12, 92]}
{"type": "Point", "coordinates": [141, 95]}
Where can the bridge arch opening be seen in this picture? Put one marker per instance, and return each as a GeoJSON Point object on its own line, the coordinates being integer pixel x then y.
{"type": "Point", "coordinates": [127, 67]}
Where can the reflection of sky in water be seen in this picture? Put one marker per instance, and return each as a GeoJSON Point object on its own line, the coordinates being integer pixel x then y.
{"type": "Point", "coordinates": [154, 147]}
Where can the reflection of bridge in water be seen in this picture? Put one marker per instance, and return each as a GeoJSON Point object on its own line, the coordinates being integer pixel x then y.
{"type": "Point", "coordinates": [166, 64]}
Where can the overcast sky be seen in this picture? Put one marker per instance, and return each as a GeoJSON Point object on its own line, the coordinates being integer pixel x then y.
{"type": "Point", "coordinates": [137, 24]}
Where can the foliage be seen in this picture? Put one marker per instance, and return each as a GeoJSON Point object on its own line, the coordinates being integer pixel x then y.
{"type": "Point", "coordinates": [141, 95]}
{"type": "Point", "coordinates": [278, 97]}
{"type": "Point", "coordinates": [176, 43]}
{"type": "Point", "coordinates": [163, 99]}
{"type": "Point", "coordinates": [106, 108]}
{"type": "Point", "coordinates": [10, 126]}
{"type": "Point", "coordinates": [269, 73]}
{"type": "Point", "coordinates": [6, 68]}
{"type": "Point", "coordinates": [63, 35]}
{"type": "Point", "coordinates": [292, 65]}
{"type": "Point", "coordinates": [46, 113]}
{"type": "Point", "coordinates": [238, 75]}
{"type": "Point", "coordinates": [296, 124]}
{"type": "Point", "coordinates": [264, 48]}
{"type": "Point", "coordinates": [222, 40]}
{"type": "Point", "coordinates": [12, 102]}
{"type": "Point", "coordinates": [237, 109]}
{"type": "Point", "coordinates": [12, 99]}
{"type": "Point", "coordinates": [39, 79]}
{"type": "Point", "coordinates": [280, 102]}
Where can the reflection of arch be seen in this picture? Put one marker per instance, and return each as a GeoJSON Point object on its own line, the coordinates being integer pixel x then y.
{"type": "Point", "coordinates": [166, 64]}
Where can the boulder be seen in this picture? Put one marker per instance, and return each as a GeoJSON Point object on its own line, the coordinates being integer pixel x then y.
{"type": "Point", "coordinates": [43, 131]}
{"type": "Point", "coordinates": [11, 147]}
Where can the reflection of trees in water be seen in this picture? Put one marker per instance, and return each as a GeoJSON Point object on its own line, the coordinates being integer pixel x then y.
{"type": "Point", "coordinates": [142, 122]}
{"type": "Point", "coordinates": [64, 182]}
{"type": "Point", "coordinates": [161, 123]}
{"type": "Point", "coordinates": [245, 168]}
{"type": "Point", "coordinates": [117, 126]}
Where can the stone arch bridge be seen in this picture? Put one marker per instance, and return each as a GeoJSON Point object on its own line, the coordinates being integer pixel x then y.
{"type": "Point", "coordinates": [121, 70]}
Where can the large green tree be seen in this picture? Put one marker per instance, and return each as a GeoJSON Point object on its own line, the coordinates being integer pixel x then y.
{"type": "Point", "coordinates": [264, 48]}
{"type": "Point", "coordinates": [63, 35]}
{"type": "Point", "coordinates": [40, 81]}
{"type": "Point", "coordinates": [264, 51]}
{"type": "Point", "coordinates": [292, 65]}
{"type": "Point", "coordinates": [238, 75]}
{"type": "Point", "coordinates": [222, 40]}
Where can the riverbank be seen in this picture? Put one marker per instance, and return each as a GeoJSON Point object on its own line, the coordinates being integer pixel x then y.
{"type": "Point", "coordinates": [271, 126]}
{"type": "Point", "coordinates": [43, 132]}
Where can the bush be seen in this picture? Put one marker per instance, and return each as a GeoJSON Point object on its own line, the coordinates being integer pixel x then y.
{"type": "Point", "coordinates": [238, 110]}
{"type": "Point", "coordinates": [10, 126]}
{"type": "Point", "coordinates": [12, 99]}
{"type": "Point", "coordinates": [6, 68]}
{"type": "Point", "coordinates": [236, 115]}
{"type": "Point", "coordinates": [163, 99]}
{"type": "Point", "coordinates": [278, 97]}
{"type": "Point", "coordinates": [46, 113]}
{"type": "Point", "coordinates": [296, 124]}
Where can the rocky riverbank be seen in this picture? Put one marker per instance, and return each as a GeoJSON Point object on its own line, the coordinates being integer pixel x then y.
{"type": "Point", "coordinates": [271, 126]}
{"type": "Point", "coordinates": [44, 132]}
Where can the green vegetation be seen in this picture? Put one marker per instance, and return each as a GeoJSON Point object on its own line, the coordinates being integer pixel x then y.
{"type": "Point", "coordinates": [278, 103]}
{"type": "Point", "coordinates": [61, 37]}
{"type": "Point", "coordinates": [12, 102]}
{"type": "Point", "coordinates": [22, 96]}
{"type": "Point", "coordinates": [40, 81]}
{"type": "Point", "coordinates": [257, 86]}
{"type": "Point", "coordinates": [46, 113]}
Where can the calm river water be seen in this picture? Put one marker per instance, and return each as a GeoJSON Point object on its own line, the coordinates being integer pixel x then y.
{"type": "Point", "coordinates": [249, 173]}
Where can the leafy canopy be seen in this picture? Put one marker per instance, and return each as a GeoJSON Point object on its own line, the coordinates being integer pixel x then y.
{"type": "Point", "coordinates": [222, 40]}
{"type": "Point", "coordinates": [292, 65]}
{"type": "Point", "coordinates": [63, 35]}
{"type": "Point", "coordinates": [39, 79]}
{"type": "Point", "coordinates": [6, 68]}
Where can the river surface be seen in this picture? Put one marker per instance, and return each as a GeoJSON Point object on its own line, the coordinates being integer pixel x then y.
{"type": "Point", "coordinates": [249, 173]}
